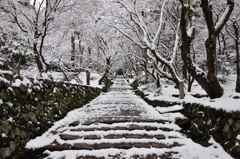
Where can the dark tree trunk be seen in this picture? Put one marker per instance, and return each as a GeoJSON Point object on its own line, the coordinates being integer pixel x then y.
{"type": "Point", "coordinates": [87, 77]}
{"type": "Point", "coordinates": [209, 81]}
{"type": "Point", "coordinates": [236, 31]}
{"type": "Point", "coordinates": [37, 58]}
{"type": "Point", "coordinates": [212, 66]}
{"type": "Point", "coordinates": [145, 64]}
{"type": "Point", "coordinates": [186, 51]}
{"type": "Point", "coordinates": [158, 82]}
{"type": "Point", "coordinates": [184, 72]}
{"type": "Point", "coordinates": [106, 71]}
{"type": "Point", "coordinates": [210, 44]}
{"type": "Point", "coordinates": [89, 53]}
{"type": "Point", "coordinates": [190, 82]}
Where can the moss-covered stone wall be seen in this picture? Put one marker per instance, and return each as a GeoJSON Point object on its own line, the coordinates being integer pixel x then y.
{"type": "Point", "coordinates": [208, 122]}
{"type": "Point", "coordinates": [223, 126]}
{"type": "Point", "coordinates": [28, 107]}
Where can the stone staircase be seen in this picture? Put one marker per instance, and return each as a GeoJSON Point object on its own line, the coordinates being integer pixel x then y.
{"type": "Point", "coordinates": [116, 125]}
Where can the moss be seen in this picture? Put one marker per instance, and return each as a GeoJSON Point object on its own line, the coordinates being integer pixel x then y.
{"type": "Point", "coordinates": [134, 84]}
{"type": "Point", "coordinates": [30, 112]}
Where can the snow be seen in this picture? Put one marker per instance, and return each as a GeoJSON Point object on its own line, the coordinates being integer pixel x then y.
{"type": "Point", "coordinates": [238, 137]}
{"type": "Point", "coordinates": [223, 17]}
{"type": "Point", "coordinates": [5, 72]}
{"type": "Point", "coordinates": [4, 80]}
{"type": "Point", "coordinates": [226, 102]}
{"type": "Point", "coordinates": [168, 109]}
{"type": "Point", "coordinates": [3, 135]}
{"type": "Point", "coordinates": [94, 78]}
{"type": "Point", "coordinates": [17, 83]}
{"type": "Point", "coordinates": [197, 151]}
{"type": "Point", "coordinates": [104, 106]}
{"type": "Point", "coordinates": [10, 119]}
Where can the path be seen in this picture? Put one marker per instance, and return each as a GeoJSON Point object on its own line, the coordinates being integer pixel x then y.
{"type": "Point", "coordinates": [119, 124]}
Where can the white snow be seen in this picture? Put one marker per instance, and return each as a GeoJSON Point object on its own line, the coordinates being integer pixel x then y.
{"type": "Point", "coordinates": [10, 119]}
{"type": "Point", "coordinates": [238, 137]}
{"type": "Point", "coordinates": [105, 107]}
{"type": "Point", "coordinates": [17, 83]}
{"type": "Point", "coordinates": [4, 80]}
{"type": "Point", "coordinates": [94, 78]}
{"type": "Point", "coordinates": [3, 135]}
{"type": "Point", "coordinates": [226, 102]}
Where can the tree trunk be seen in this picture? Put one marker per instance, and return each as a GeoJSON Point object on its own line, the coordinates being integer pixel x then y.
{"type": "Point", "coordinates": [37, 58]}
{"type": "Point", "coordinates": [209, 81]}
{"type": "Point", "coordinates": [80, 49]}
{"type": "Point", "coordinates": [200, 77]}
{"type": "Point", "coordinates": [73, 51]}
{"type": "Point", "coordinates": [158, 82]}
{"type": "Point", "coordinates": [190, 82]}
{"type": "Point", "coordinates": [212, 66]}
{"type": "Point", "coordinates": [211, 42]}
{"type": "Point", "coordinates": [236, 30]}
{"type": "Point", "coordinates": [89, 53]}
{"type": "Point", "coordinates": [18, 67]}
{"type": "Point", "coordinates": [106, 71]}
{"type": "Point", "coordinates": [145, 64]}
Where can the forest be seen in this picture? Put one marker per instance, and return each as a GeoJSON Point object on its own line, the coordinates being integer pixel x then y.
{"type": "Point", "coordinates": [165, 41]}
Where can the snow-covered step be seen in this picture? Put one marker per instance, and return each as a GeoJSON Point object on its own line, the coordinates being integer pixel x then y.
{"type": "Point", "coordinates": [123, 143]}
{"type": "Point", "coordinates": [125, 124]}
{"type": "Point", "coordinates": [104, 133]}
{"type": "Point", "coordinates": [133, 126]}
{"type": "Point", "coordinates": [116, 136]}
{"type": "Point", "coordinates": [119, 125]}
{"type": "Point", "coordinates": [144, 153]}
{"type": "Point", "coordinates": [170, 109]}
{"type": "Point", "coordinates": [112, 120]}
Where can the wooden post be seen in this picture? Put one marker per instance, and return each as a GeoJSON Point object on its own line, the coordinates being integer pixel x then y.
{"type": "Point", "coordinates": [87, 77]}
{"type": "Point", "coordinates": [181, 90]}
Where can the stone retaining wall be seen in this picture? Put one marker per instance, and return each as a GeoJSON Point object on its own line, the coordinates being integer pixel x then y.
{"type": "Point", "coordinates": [223, 126]}
{"type": "Point", "coordinates": [28, 107]}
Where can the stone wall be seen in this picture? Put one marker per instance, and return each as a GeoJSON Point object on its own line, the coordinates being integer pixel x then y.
{"type": "Point", "coordinates": [223, 126]}
{"type": "Point", "coordinates": [206, 122]}
{"type": "Point", "coordinates": [28, 107]}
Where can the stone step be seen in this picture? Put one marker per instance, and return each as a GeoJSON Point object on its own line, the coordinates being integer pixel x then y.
{"type": "Point", "coordinates": [55, 146]}
{"type": "Point", "coordinates": [128, 128]}
{"type": "Point", "coordinates": [131, 128]}
{"type": "Point", "coordinates": [111, 120]}
{"type": "Point", "coordinates": [167, 155]}
{"type": "Point", "coordinates": [112, 136]}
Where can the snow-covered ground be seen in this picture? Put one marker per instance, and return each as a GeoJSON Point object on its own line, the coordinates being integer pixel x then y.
{"type": "Point", "coordinates": [58, 76]}
{"type": "Point", "coordinates": [128, 114]}
{"type": "Point", "coordinates": [226, 102]}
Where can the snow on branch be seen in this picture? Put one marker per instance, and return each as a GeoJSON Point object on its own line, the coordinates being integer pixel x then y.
{"type": "Point", "coordinates": [225, 16]}
{"type": "Point", "coordinates": [160, 22]}
{"type": "Point", "coordinates": [125, 34]}
{"type": "Point", "coordinates": [177, 37]}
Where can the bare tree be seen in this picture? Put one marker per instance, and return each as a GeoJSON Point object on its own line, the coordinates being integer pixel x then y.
{"type": "Point", "coordinates": [145, 32]}
{"type": "Point", "coordinates": [35, 21]}
{"type": "Point", "coordinates": [208, 81]}
{"type": "Point", "coordinates": [235, 35]}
